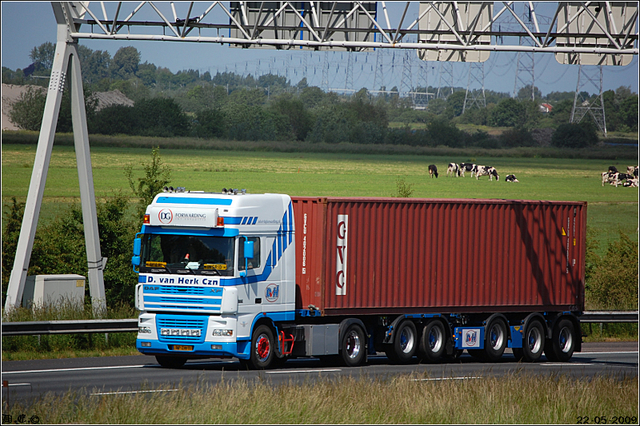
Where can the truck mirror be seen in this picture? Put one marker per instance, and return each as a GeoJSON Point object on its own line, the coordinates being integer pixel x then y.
{"type": "Point", "coordinates": [137, 243]}
{"type": "Point", "coordinates": [135, 260]}
{"type": "Point", "coordinates": [248, 249]}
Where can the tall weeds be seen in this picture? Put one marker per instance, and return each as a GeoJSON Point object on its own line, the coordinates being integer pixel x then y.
{"type": "Point", "coordinates": [516, 399]}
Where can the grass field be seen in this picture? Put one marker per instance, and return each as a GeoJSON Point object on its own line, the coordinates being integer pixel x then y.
{"type": "Point", "coordinates": [519, 398]}
{"type": "Point", "coordinates": [330, 174]}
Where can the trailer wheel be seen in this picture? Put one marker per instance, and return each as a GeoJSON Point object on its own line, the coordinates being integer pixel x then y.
{"type": "Point", "coordinates": [432, 343]}
{"type": "Point", "coordinates": [405, 343]}
{"type": "Point", "coordinates": [352, 346]}
{"type": "Point", "coordinates": [563, 342]}
{"type": "Point", "coordinates": [533, 342]}
{"type": "Point", "coordinates": [495, 340]}
{"type": "Point", "coordinates": [262, 348]}
{"type": "Point", "coordinates": [170, 361]}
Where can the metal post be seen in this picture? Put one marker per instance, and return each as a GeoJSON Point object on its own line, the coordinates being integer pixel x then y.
{"type": "Point", "coordinates": [38, 178]}
{"type": "Point", "coordinates": [65, 54]}
{"type": "Point", "coordinates": [87, 194]}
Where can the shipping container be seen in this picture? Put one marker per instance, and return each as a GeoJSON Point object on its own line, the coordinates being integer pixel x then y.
{"type": "Point", "coordinates": [361, 256]}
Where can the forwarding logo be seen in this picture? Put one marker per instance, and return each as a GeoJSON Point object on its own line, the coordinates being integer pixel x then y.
{"type": "Point", "coordinates": [165, 216]}
{"type": "Point", "coordinates": [272, 292]}
{"type": "Point", "coordinates": [470, 339]}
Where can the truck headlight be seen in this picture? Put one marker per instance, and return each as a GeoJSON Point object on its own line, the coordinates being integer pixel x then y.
{"type": "Point", "coordinates": [144, 330]}
{"type": "Point", "coordinates": [222, 332]}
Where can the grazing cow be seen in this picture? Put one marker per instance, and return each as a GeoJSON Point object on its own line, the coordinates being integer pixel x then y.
{"type": "Point", "coordinates": [612, 169]}
{"type": "Point", "coordinates": [610, 177]}
{"type": "Point", "coordinates": [619, 177]}
{"type": "Point", "coordinates": [631, 183]}
{"type": "Point", "coordinates": [487, 171]}
{"type": "Point", "coordinates": [433, 170]}
{"type": "Point", "coordinates": [511, 178]}
{"type": "Point", "coordinates": [454, 169]}
{"type": "Point", "coordinates": [469, 167]}
{"type": "Point", "coordinates": [632, 170]}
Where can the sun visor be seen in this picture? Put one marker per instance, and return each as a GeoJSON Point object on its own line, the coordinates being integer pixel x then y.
{"type": "Point", "coordinates": [183, 216]}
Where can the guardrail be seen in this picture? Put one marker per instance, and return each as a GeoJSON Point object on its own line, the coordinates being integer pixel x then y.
{"type": "Point", "coordinates": [131, 325]}
{"type": "Point", "coordinates": [609, 316]}
{"type": "Point", "coordinates": [69, 327]}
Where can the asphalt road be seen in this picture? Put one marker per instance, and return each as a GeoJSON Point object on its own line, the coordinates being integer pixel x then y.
{"type": "Point", "coordinates": [24, 380]}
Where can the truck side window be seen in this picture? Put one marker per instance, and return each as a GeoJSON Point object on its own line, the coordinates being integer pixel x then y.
{"type": "Point", "coordinates": [255, 261]}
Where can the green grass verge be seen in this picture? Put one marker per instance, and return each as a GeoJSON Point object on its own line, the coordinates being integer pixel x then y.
{"type": "Point", "coordinates": [519, 398]}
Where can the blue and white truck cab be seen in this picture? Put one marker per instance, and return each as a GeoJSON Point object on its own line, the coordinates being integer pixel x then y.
{"type": "Point", "coordinates": [211, 266]}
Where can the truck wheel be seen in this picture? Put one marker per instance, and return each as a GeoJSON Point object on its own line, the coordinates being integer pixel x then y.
{"type": "Point", "coordinates": [563, 342]}
{"type": "Point", "coordinates": [495, 340]}
{"type": "Point", "coordinates": [432, 341]}
{"type": "Point", "coordinates": [262, 348]}
{"type": "Point", "coordinates": [352, 346]}
{"type": "Point", "coordinates": [405, 342]}
{"type": "Point", "coordinates": [533, 342]}
{"type": "Point", "coordinates": [170, 361]}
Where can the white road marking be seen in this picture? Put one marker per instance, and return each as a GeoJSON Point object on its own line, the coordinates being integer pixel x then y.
{"type": "Point", "coordinates": [315, 370]}
{"type": "Point", "coordinates": [55, 370]}
{"type": "Point", "coordinates": [436, 379]}
{"type": "Point", "coordinates": [18, 384]}
{"type": "Point", "coordinates": [566, 364]}
{"type": "Point", "coordinates": [133, 392]}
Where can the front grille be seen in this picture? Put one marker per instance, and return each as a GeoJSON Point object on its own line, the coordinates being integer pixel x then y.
{"type": "Point", "coordinates": [181, 322]}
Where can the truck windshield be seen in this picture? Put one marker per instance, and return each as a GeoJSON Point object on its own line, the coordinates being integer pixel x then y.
{"type": "Point", "coordinates": [200, 255]}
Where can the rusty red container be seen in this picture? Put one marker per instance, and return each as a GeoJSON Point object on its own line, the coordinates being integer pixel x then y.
{"type": "Point", "coordinates": [358, 256]}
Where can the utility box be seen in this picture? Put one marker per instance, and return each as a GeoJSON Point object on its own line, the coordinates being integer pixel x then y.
{"type": "Point", "coordinates": [54, 290]}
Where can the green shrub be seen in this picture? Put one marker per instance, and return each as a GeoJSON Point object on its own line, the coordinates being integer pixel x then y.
{"type": "Point", "coordinates": [59, 246]}
{"type": "Point", "coordinates": [403, 189]}
{"type": "Point", "coordinates": [612, 280]}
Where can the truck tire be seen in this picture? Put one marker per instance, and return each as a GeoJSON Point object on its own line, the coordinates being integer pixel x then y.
{"type": "Point", "coordinates": [352, 346]}
{"type": "Point", "coordinates": [170, 361]}
{"type": "Point", "coordinates": [495, 340]}
{"type": "Point", "coordinates": [563, 341]}
{"type": "Point", "coordinates": [432, 343]}
{"type": "Point", "coordinates": [405, 343]}
{"type": "Point", "coordinates": [532, 342]}
{"type": "Point", "coordinates": [262, 348]}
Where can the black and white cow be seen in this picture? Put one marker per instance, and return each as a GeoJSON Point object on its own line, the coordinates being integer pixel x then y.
{"type": "Point", "coordinates": [619, 177]}
{"type": "Point", "coordinates": [511, 178]}
{"type": "Point", "coordinates": [469, 167]}
{"type": "Point", "coordinates": [487, 171]}
{"type": "Point", "coordinates": [632, 170]}
{"type": "Point", "coordinates": [607, 177]}
{"type": "Point", "coordinates": [454, 169]}
{"type": "Point", "coordinates": [631, 183]}
{"type": "Point", "coordinates": [433, 170]}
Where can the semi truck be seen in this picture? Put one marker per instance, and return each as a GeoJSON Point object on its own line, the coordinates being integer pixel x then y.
{"type": "Point", "coordinates": [269, 277]}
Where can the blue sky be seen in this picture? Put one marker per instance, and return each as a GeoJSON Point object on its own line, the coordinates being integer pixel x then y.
{"type": "Point", "coordinates": [26, 25]}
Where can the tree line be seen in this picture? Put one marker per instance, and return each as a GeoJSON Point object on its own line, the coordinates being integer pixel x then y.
{"type": "Point", "coordinates": [271, 108]}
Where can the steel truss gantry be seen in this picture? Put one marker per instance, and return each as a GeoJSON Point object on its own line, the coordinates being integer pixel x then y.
{"type": "Point", "coordinates": [578, 30]}
{"type": "Point", "coordinates": [332, 25]}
